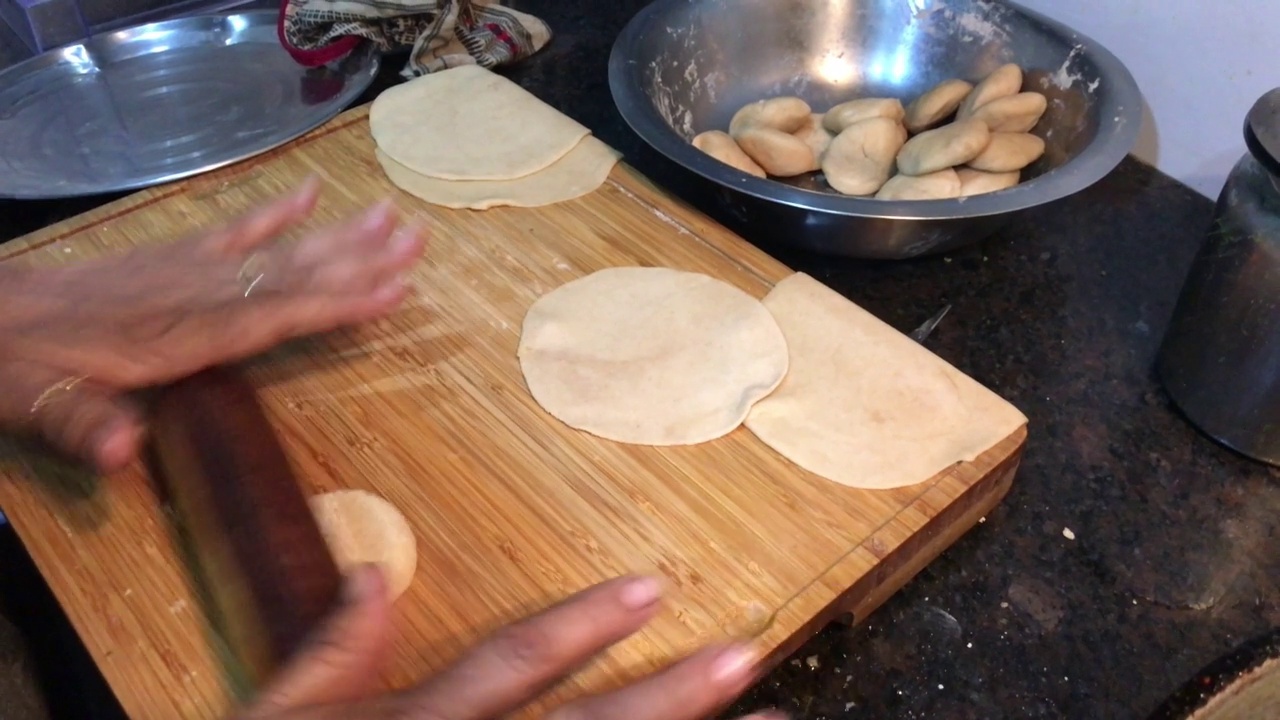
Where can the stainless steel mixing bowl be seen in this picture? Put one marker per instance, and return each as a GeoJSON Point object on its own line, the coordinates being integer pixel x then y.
{"type": "Point", "coordinates": [684, 66]}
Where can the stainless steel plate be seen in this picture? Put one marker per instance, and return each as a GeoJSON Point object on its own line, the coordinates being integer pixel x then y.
{"type": "Point", "coordinates": [159, 102]}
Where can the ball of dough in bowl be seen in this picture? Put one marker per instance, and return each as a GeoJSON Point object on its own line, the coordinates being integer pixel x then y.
{"type": "Point", "coordinates": [650, 356]}
{"type": "Point", "coordinates": [361, 528]}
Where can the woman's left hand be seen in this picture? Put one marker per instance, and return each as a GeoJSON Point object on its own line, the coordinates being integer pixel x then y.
{"type": "Point", "coordinates": [75, 340]}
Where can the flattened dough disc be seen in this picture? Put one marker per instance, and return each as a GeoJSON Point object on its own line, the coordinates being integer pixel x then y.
{"type": "Point", "coordinates": [863, 404]}
{"type": "Point", "coordinates": [360, 527]}
{"type": "Point", "coordinates": [579, 172]}
{"type": "Point", "coordinates": [650, 356]}
{"type": "Point", "coordinates": [467, 123]}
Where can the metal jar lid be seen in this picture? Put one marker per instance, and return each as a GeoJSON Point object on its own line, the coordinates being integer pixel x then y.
{"type": "Point", "coordinates": [1262, 131]}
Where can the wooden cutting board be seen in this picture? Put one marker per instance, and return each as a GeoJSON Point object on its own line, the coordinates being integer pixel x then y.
{"type": "Point", "coordinates": [512, 509]}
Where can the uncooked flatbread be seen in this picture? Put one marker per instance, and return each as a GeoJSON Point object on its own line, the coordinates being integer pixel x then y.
{"type": "Point", "coordinates": [579, 172]}
{"type": "Point", "coordinates": [650, 356]}
{"type": "Point", "coordinates": [467, 123]}
{"type": "Point", "coordinates": [865, 405]}
{"type": "Point", "coordinates": [361, 528]}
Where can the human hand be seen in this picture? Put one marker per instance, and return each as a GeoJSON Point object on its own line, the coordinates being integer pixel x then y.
{"type": "Point", "coordinates": [75, 340]}
{"type": "Point", "coordinates": [334, 677]}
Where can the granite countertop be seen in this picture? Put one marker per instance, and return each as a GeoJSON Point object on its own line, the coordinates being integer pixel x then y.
{"type": "Point", "coordinates": [1130, 552]}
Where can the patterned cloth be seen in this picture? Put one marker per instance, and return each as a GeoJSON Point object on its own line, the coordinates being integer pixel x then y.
{"type": "Point", "coordinates": [441, 33]}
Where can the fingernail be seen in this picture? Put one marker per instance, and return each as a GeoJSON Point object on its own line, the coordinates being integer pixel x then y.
{"type": "Point", "coordinates": [641, 593]}
{"type": "Point", "coordinates": [361, 584]}
{"type": "Point", "coordinates": [732, 665]}
{"type": "Point", "coordinates": [377, 215]}
{"type": "Point", "coordinates": [404, 238]}
{"type": "Point", "coordinates": [391, 290]}
{"type": "Point", "coordinates": [767, 715]}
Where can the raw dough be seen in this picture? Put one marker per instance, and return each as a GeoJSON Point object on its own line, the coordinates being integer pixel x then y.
{"type": "Point", "coordinates": [467, 123]}
{"type": "Point", "coordinates": [780, 154]}
{"type": "Point", "coordinates": [847, 113]}
{"type": "Point", "coordinates": [1008, 151]}
{"type": "Point", "coordinates": [361, 528]}
{"type": "Point", "coordinates": [1014, 113]}
{"type": "Point", "coordinates": [650, 356]}
{"type": "Point", "coordinates": [866, 406]}
{"type": "Point", "coordinates": [817, 137]}
{"type": "Point", "coordinates": [581, 171]}
{"type": "Point", "coordinates": [938, 185]}
{"type": "Point", "coordinates": [860, 159]}
{"type": "Point", "coordinates": [787, 114]}
{"type": "Point", "coordinates": [721, 146]}
{"type": "Point", "coordinates": [977, 182]}
{"type": "Point", "coordinates": [1003, 81]}
{"type": "Point", "coordinates": [954, 144]}
{"type": "Point", "coordinates": [936, 105]}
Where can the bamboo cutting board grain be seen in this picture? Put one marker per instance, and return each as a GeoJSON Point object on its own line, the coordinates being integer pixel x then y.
{"type": "Point", "coordinates": [512, 509]}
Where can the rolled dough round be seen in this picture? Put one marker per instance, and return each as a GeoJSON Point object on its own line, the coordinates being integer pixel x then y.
{"type": "Point", "coordinates": [650, 356]}
{"type": "Point", "coordinates": [361, 528]}
{"type": "Point", "coordinates": [579, 172]}
{"type": "Point", "coordinates": [467, 123]}
{"type": "Point", "coordinates": [866, 406]}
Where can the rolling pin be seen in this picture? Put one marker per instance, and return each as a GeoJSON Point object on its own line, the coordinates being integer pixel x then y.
{"type": "Point", "coordinates": [264, 572]}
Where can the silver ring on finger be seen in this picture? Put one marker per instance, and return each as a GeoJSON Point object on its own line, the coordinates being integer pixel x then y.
{"type": "Point", "coordinates": [50, 394]}
{"type": "Point", "coordinates": [252, 270]}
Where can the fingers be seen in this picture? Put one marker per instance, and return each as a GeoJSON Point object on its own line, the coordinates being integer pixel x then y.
{"type": "Point", "coordinates": [362, 279]}
{"type": "Point", "coordinates": [693, 688]}
{"type": "Point", "coordinates": [277, 320]}
{"type": "Point", "coordinates": [83, 419]}
{"type": "Point", "coordinates": [521, 660]}
{"type": "Point", "coordinates": [266, 222]}
{"type": "Point", "coordinates": [341, 664]}
{"type": "Point", "coordinates": [354, 256]}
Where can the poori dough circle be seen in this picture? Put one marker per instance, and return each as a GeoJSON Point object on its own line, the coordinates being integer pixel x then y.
{"type": "Point", "coordinates": [362, 528]}
{"type": "Point", "coordinates": [579, 172]}
{"type": "Point", "coordinates": [650, 356]}
{"type": "Point", "coordinates": [467, 123]}
{"type": "Point", "coordinates": [866, 406]}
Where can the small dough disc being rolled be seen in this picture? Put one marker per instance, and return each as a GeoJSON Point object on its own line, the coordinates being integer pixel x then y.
{"type": "Point", "coordinates": [361, 528]}
{"type": "Point", "coordinates": [581, 171]}
{"type": "Point", "coordinates": [467, 123]}
{"type": "Point", "coordinates": [866, 406]}
{"type": "Point", "coordinates": [650, 356]}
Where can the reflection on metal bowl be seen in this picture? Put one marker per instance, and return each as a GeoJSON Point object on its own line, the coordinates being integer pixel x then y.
{"type": "Point", "coordinates": [684, 66]}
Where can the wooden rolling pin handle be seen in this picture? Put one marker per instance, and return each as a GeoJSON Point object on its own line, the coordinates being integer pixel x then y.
{"type": "Point", "coordinates": [266, 571]}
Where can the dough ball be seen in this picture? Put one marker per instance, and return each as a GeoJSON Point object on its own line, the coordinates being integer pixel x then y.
{"type": "Point", "coordinates": [977, 182]}
{"type": "Point", "coordinates": [780, 154]}
{"type": "Point", "coordinates": [650, 356]}
{"type": "Point", "coordinates": [936, 105]}
{"type": "Point", "coordinates": [1008, 151]}
{"type": "Point", "coordinates": [938, 185]}
{"type": "Point", "coordinates": [787, 114]}
{"type": "Point", "coordinates": [1014, 113]}
{"type": "Point", "coordinates": [847, 113]}
{"type": "Point", "coordinates": [866, 406]}
{"type": "Point", "coordinates": [581, 171]}
{"type": "Point", "coordinates": [816, 137]}
{"type": "Point", "coordinates": [361, 528]}
{"type": "Point", "coordinates": [948, 146]}
{"type": "Point", "coordinates": [722, 147]}
{"type": "Point", "coordinates": [467, 123]}
{"type": "Point", "coordinates": [1004, 81]}
{"type": "Point", "coordinates": [860, 159]}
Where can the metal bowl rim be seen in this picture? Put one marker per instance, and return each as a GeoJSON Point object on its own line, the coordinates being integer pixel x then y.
{"type": "Point", "coordinates": [1100, 157]}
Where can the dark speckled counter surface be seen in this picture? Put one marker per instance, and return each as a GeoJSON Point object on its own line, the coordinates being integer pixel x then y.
{"type": "Point", "coordinates": [1131, 550]}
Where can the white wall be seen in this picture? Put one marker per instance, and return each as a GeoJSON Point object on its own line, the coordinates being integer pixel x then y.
{"type": "Point", "coordinates": [1201, 64]}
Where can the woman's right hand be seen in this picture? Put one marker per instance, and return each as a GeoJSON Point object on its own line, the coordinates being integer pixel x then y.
{"type": "Point", "coordinates": [335, 676]}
